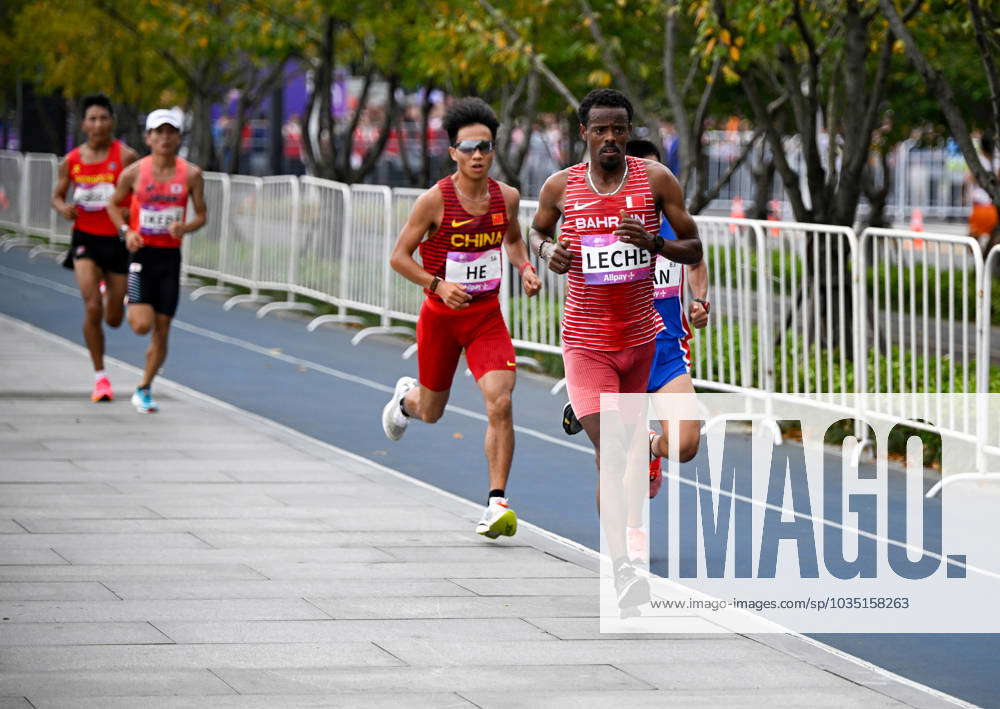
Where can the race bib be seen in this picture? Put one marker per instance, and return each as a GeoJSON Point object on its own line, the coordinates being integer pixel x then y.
{"type": "Point", "coordinates": [158, 221]}
{"type": "Point", "coordinates": [668, 279]}
{"type": "Point", "coordinates": [94, 197]}
{"type": "Point", "coordinates": [478, 271]}
{"type": "Point", "coordinates": [606, 260]}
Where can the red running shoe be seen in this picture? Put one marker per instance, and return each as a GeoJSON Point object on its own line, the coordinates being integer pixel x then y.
{"type": "Point", "coordinates": [102, 390]}
{"type": "Point", "coordinates": [655, 472]}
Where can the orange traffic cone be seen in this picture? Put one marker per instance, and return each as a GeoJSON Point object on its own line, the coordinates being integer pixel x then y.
{"type": "Point", "coordinates": [736, 212]}
{"type": "Point", "coordinates": [774, 214]}
{"type": "Point", "coordinates": [917, 224]}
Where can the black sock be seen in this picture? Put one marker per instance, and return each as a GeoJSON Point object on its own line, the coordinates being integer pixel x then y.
{"type": "Point", "coordinates": [494, 493]}
{"type": "Point", "coordinates": [402, 407]}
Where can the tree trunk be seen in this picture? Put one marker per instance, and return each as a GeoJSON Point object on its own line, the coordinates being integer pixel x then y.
{"type": "Point", "coordinates": [201, 149]}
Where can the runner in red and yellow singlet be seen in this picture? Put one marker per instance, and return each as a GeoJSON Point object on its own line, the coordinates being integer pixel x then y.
{"type": "Point", "coordinates": [460, 225]}
{"type": "Point", "coordinates": [611, 210]}
{"type": "Point", "coordinates": [161, 184]}
{"type": "Point", "coordinates": [96, 253]}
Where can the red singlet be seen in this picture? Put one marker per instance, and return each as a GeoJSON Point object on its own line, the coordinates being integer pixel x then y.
{"type": "Point", "coordinates": [609, 302]}
{"type": "Point", "coordinates": [158, 204]}
{"type": "Point", "coordinates": [466, 248]}
{"type": "Point", "coordinates": [93, 187]}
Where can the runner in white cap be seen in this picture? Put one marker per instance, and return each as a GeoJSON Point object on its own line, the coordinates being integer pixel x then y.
{"type": "Point", "coordinates": [161, 184]}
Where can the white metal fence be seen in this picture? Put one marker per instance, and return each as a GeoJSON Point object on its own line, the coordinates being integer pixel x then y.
{"type": "Point", "coordinates": [806, 311]}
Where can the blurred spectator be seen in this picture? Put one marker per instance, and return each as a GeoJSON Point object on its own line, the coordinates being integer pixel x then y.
{"type": "Point", "coordinates": [291, 134]}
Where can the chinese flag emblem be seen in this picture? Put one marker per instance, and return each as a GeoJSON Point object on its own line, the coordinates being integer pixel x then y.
{"type": "Point", "coordinates": [498, 218]}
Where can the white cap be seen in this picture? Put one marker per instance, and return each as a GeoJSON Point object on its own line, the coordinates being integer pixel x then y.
{"type": "Point", "coordinates": [163, 116]}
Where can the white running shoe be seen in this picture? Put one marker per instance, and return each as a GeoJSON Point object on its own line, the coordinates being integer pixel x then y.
{"type": "Point", "coordinates": [393, 420]}
{"type": "Point", "coordinates": [498, 518]}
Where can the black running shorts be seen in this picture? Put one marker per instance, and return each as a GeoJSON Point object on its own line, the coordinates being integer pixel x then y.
{"type": "Point", "coordinates": [108, 252]}
{"type": "Point", "coordinates": [154, 278]}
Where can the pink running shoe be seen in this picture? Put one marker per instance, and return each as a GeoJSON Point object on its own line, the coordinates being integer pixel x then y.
{"type": "Point", "coordinates": [102, 390]}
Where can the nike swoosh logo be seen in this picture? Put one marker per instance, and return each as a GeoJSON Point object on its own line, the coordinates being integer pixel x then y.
{"type": "Point", "coordinates": [512, 364]}
{"type": "Point", "coordinates": [584, 205]}
{"type": "Point", "coordinates": [455, 223]}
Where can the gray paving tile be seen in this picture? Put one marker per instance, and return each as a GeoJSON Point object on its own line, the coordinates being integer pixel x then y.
{"type": "Point", "coordinates": [589, 628]}
{"type": "Point", "coordinates": [400, 540]}
{"type": "Point", "coordinates": [189, 657]}
{"type": "Point", "coordinates": [28, 556]}
{"type": "Point", "coordinates": [20, 703]}
{"type": "Point", "coordinates": [20, 634]}
{"type": "Point", "coordinates": [501, 553]}
{"type": "Point", "coordinates": [459, 652]}
{"type": "Point", "coordinates": [428, 570]}
{"type": "Point", "coordinates": [172, 509]}
{"type": "Point", "coordinates": [112, 572]}
{"type": "Point", "coordinates": [682, 674]}
{"type": "Point", "coordinates": [460, 607]}
{"type": "Point", "coordinates": [71, 591]}
{"type": "Point", "coordinates": [12, 491]}
{"type": "Point", "coordinates": [201, 527]}
{"type": "Point", "coordinates": [233, 498]}
{"type": "Point", "coordinates": [9, 526]}
{"type": "Point", "coordinates": [231, 466]}
{"type": "Point", "coordinates": [111, 543]}
{"type": "Point", "coordinates": [179, 610]}
{"type": "Point", "coordinates": [90, 683]}
{"type": "Point", "coordinates": [404, 588]}
{"type": "Point", "coordinates": [639, 699]}
{"type": "Point", "coordinates": [332, 555]}
{"type": "Point", "coordinates": [275, 490]}
{"type": "Point", "coordinates": [372, 700]}
{"type": "Point", "coordinates": [316, 631]}
{"type": "Point", "coordinates": [163, 451]}
{"type": "Point", "coordinates": [106, 511]}
{"type": "Point", "coordinates": [107, 476]}
{"type": "Point", "coordinates": [532, 587]}
{"type": "Point", "coordinates": [37, 466]}
{"type": "Point", "coordinates": [410, 680]}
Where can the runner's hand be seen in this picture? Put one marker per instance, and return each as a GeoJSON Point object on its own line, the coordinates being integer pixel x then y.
{"type": "Point", "coordinates": [68, 212]}
{"type": "Point", "coordinates": [176, 229]}
{"type": "Point", "coordinates": [631, 231]}
{"type": "Point", "coordinates": [530, 281]}
{"type": "Point", "coordinates": [697, 315]}
{"type": "Point", "coordinates": [133, 242]}
{"type": "Point", "coordinates": [558, 255]}
{"type": "Point", "coordinates": [453, 295]}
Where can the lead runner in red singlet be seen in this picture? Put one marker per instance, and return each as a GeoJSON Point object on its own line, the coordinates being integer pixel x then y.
{"type": "Point", "coordinates": [459, 225]}
{"type": "Point", "coordinates": [96, 253]}
{"type": "Point", "coordinates": [611, 210]}
{"type": "Point", "coordinates": [161, 184]}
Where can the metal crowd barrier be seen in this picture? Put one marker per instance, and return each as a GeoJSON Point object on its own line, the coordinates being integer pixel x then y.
{"type": "Point", "coordinates": [803, 312]}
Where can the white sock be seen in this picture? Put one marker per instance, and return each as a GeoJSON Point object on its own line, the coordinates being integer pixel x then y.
{"type": "Point", "coordinates": [99, 374]}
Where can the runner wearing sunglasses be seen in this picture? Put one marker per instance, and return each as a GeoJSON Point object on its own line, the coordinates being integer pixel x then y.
{"type": "Point", "coordinates": [459, 226]}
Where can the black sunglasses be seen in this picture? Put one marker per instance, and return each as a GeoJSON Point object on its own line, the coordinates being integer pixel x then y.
{"type": "Point", "coordinates": [471, 146]}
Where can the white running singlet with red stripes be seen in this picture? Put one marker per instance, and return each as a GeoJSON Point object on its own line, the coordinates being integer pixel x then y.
{"type": "Point", "coordinates": [609, 302]}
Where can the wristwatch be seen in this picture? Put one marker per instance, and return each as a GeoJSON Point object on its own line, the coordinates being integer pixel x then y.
{"type": "Point", "coordinates": [123, 231]}
{"type": "Point", "coordinates": [657, 244]}
{"type": "Point", "coordinates": [434, 284]}
{"type": "Point", "coordinates": [705, 304]}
